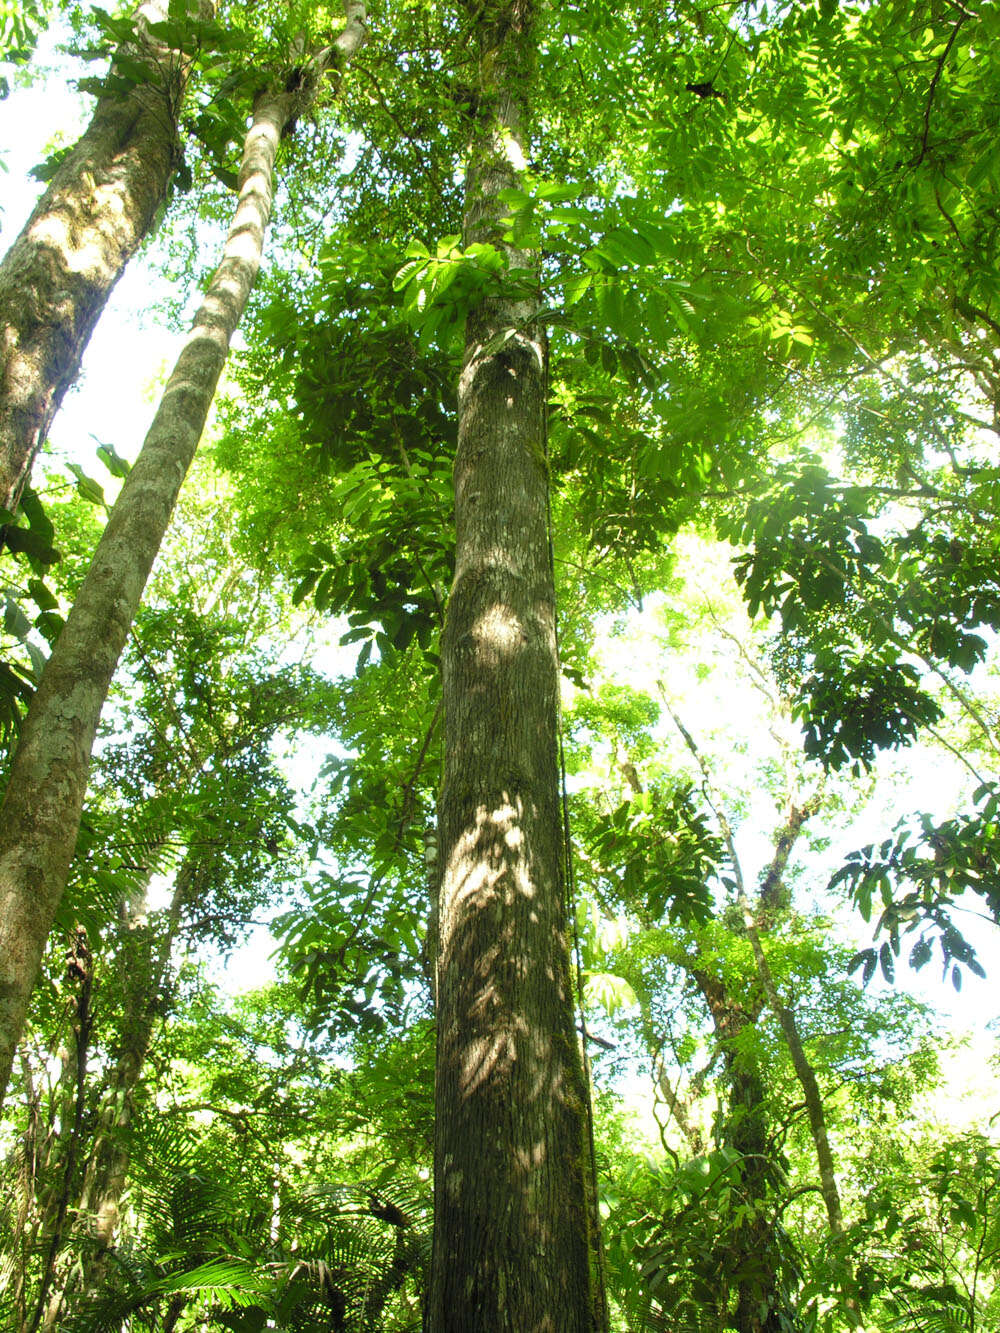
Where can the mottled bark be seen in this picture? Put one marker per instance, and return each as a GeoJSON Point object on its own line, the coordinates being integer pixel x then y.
{"type": "Point", "coordinates": [513, 1248]}
{"type": "Point", "coordinates": [40, 816]}
{"type": "Point", "coordinates": [772, 896]}
{"type": "Point", "coordinates": [56, 278]}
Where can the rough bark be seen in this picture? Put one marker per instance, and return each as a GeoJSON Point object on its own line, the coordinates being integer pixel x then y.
{"type": "Point", "coordinates": [40, 816]}
{"type": "Point", "coordinates": [56, 278]}
{"type": "Point", "coordinates": [512, 1243]}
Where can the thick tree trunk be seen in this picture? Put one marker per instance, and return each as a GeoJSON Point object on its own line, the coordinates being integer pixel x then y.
{"type": "Point", "coordinates": [40, 816]}
{"type": "Point", "coordinates": [57, 276]}
{"type": "Point", "coordinates": [512, 1243]}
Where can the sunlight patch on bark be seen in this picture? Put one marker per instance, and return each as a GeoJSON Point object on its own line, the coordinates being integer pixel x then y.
{"type": "Point", "coordinates": [481, 856]}
{"type": "Point", "coordinates": [484, 1057]}
{"type": "Point", "coordinates": [530, 1158]}
{"type": "Point", "coordinates": [499, 630]}
{"type": "Point", "coordinates": [90, 256]}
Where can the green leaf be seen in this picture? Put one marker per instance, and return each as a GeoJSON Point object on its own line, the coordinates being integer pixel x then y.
{"type": "Point", "coordinates": [557, 191]}
{"type": "Point", "coordinates": [305, 587]}
{"type": "Point", "coordinates": [516, 200]}
{"type": "Point", "coordinates": [576, 288]}
{"type": "Point", "coordinates": [91, 490]}
{"type": "Point", "coordinates": [113, 461]}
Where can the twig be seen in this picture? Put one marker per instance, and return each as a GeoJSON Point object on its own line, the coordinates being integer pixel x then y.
{"type": "Point", "coordinates": [938, 71]}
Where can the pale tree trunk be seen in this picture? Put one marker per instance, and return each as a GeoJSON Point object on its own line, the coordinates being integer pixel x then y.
{"type": "Point", "coordinates": [144, 965]}
{"type": "Point", "coordinates": [56, 278]}
{"type": "Point", "coordinates": [40, 816]}
{"type": "Point", "coordinates": [513, 1243]}
{"type": "Point", "coordinates": [676, 1104]}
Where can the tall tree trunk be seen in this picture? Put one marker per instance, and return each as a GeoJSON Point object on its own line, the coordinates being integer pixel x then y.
{"type": "Point", "coordinates": [806, 1075]}
{"type": "Point", "coordinates": [56, 278]}
{"type": "Point", "coordinates": [751, 1255]}
{"type": "Point", "coordinates": [772, 900]}
{"type": "Point", "coordinates": [80, 967]}
{"type": "Point", "coordinates": [144, 965]}
{"type": "Point", "coordinates": [40, 815]}
{"type": "Point", "coordinates": [513, 1248]}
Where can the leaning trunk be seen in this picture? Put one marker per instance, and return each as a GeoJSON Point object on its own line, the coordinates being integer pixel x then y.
{"type": "Point", "coordinates": [513, 1248]}
{"type": "Point", "coordinates": [41, 810]}
{"type": "Point", "coordinates": [57, 276]}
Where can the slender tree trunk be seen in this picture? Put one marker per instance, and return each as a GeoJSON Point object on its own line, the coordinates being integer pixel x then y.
{"type": "Point", "coordinates": [40, 816]}
{"type": "Point", "coordinates": [144, 967]}
{"type": "Point", "coordinates": [175, 1309]}
{"type": "Point", "coordinates": [771, 899]}
{"type": "Point", "coordinates": [81, 968]}
{"type": "Point", "coordinates": [512, 1243]}
{"type": "Point", "coordinates": [56, 278]}
{"type": "Point", "coordinates": [760, 1304]}
{"type": "Point", "coordinates": [676, 1105]}
{"type": "Point", "coordinates": [806, 1075]}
